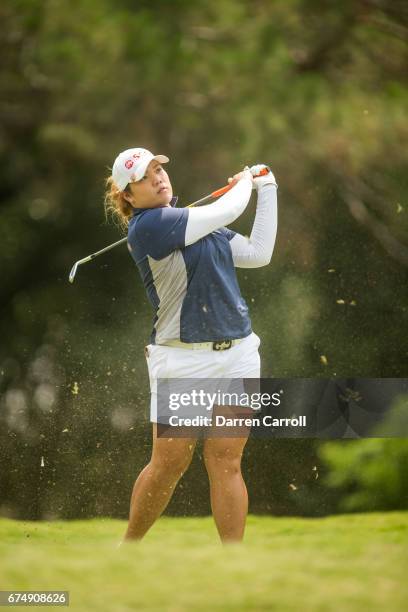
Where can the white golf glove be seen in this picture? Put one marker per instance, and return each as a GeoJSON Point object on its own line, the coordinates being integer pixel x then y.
{"type": "Point", "coordinates": [260, 177]}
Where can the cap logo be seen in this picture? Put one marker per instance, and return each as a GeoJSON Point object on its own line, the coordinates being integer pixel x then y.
{"type": "Point", "coordinates": [136, 155]}
{"type": "Point", "coordinates": [129, 163]}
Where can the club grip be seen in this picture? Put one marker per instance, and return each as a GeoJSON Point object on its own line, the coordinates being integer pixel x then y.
{"type": "Point", "coordinates": [221, 191]}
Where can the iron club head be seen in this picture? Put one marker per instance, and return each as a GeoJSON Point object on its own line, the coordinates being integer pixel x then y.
{"type": "Point", "coordinates": [73, 272]}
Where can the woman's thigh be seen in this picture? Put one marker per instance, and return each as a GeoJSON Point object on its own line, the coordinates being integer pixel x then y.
{"type": "Point", "coordinates": [171, 450]}
{"type": "Point", "coordinates": [227, 443]}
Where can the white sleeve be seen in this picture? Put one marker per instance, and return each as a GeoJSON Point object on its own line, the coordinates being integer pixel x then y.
{"type": "Point", "coordinates": [256, 251]}
{"type": "Point", "coordinates": [204, 220]}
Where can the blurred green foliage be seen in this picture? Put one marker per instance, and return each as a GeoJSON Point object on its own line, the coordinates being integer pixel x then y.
{"type": "Point", "coordinates": [316, 89]}
{"type": "Point", "coordinates": [367, 474]}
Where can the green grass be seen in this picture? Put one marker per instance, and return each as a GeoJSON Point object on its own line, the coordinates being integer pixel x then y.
{"type": "Point", "coordinates": [341, 563]}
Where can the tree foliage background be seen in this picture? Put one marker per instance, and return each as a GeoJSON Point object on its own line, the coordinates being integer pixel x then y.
{"type": "Point", "coordinates": [314, 88]}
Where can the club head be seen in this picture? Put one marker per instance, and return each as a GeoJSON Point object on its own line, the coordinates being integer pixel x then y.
{"type": "Point", "coordinates": [73, 272]}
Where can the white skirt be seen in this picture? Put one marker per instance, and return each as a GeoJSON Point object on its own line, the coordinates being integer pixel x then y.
{"type": "Point", "coordinates": [165, 362]}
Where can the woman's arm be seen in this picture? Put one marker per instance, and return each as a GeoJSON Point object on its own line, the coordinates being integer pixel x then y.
{"type": "Point", "coordinates": [256, 251]}
{"type": "Point", "coordinates": [206, 219]}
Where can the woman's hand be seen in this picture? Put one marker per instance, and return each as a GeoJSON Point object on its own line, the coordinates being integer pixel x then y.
{"type": "Point", "coordinates": [262, 175]}
{"type": "Point", "coordinates": [237, 177]}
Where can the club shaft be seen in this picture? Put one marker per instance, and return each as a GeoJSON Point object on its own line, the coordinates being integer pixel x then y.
{"type": "Point", "coordinates": [211, 196]}
{"type": "Point", "coordinates": [108, 248]}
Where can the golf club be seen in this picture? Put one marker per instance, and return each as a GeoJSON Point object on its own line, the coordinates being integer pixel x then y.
{"type": "Point", "coordinates": [90, 257]}
{"type": "Point", "coordinates": [204, 200]}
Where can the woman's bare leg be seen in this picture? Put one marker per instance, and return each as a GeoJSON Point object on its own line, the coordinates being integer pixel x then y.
{"type": "Point", "coordinates": [229, 497]}
{"type": "Point", "coordinates": [154, 487]}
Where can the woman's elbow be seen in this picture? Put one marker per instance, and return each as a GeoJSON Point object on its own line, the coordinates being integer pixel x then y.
{"type": "Point", "coordinates": [258, 261]}
{"type": "Point", "coordinates": [264, 258]}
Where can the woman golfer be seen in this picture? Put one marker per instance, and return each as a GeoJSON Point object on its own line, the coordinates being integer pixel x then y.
{"type": "Point", "coordinates": [186, 258]}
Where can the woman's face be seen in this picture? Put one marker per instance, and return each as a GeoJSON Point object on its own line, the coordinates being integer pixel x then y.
{"type": "Point", "coordinates": [153, 190]}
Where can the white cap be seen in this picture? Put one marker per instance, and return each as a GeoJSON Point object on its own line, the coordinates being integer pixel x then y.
{"type": "Point", "coordinates": [130, 165]}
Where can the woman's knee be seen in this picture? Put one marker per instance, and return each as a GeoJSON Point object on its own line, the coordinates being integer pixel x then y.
{"type": "Point", "coordinates": [171, 464]}
{"type": "Point", "coordinates": [222, 459]}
